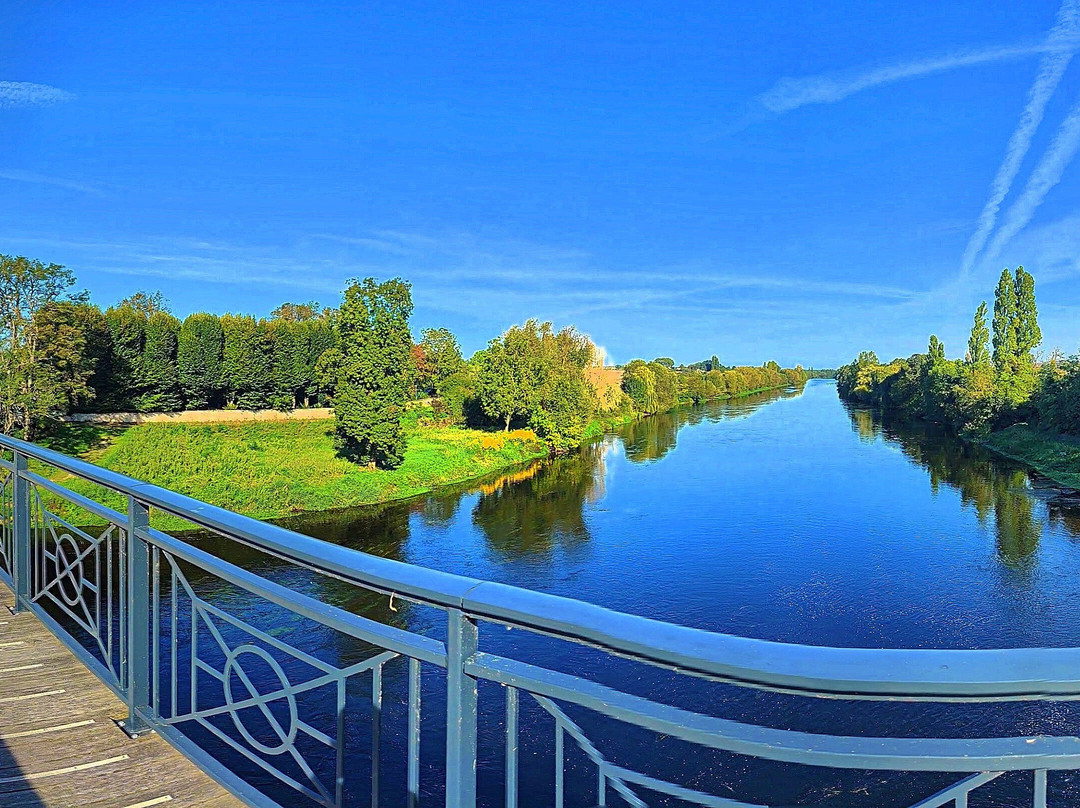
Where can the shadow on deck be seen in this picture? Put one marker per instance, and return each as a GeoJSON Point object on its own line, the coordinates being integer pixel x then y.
{"type": "Point", "coordinates": [59, 744]}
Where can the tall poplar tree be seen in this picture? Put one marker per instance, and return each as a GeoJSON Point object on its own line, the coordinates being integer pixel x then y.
{"type": "Point", "coordinates": [979, 341]}
{"type": "Point", "coordinates": [1028, 333]}
{"type": "Point", "coordinates": [374, 373]}
{"type": "Point", "coordinates": [936, 351]}
{"type": "Point", "coordinates": [1005, 321]}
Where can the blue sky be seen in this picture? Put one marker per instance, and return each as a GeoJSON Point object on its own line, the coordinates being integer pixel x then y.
{"type": "Point", "coordinates": [790, 180]}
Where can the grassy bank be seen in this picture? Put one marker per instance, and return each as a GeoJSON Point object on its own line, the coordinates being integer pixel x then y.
{"type": "Point", "coordinates": [1054, 456]}
{"type": "Point", "coordinates": [267, 470]}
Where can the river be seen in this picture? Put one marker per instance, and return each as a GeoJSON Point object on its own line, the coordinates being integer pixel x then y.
{"type": "Point", "coordinates": [783, 516]}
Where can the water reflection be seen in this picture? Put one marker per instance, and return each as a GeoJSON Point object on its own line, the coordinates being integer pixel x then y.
{"type": "Point", "coordinates": [990, 485]}
{"type": "Point", "coordinates": [546, 510]}
{"type": "Point", "coordinates": [652, 438]}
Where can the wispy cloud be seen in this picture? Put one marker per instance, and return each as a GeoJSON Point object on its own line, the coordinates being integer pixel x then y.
{"type": "Point", "coordinates": [40, 179]}
{"type": "Point", "coordinates": [207, 262]}
{"type": "Point", "coordinates": [1051, 68]}
{"type": "Point", "coordinates": [792, 93]}
{"type": "Point", "coordinates": [27, 94]}
{"type": "Point", "coordinates": [1045, 176]}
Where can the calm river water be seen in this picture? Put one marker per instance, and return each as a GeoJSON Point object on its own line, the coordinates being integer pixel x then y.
{"type": "Point", "coordinates": [782, 516]}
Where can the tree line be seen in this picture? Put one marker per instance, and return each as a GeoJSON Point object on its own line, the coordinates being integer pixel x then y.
{"type": "Point", "coordinates": [658, 386]}
{"type": "Point", "coordinates": [60, 353]}
{"type": "Point", "coordinates": [998, 382]}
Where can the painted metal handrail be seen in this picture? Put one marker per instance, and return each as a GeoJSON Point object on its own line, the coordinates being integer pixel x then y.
{"type": "Point", "coordinates": [129, 588]}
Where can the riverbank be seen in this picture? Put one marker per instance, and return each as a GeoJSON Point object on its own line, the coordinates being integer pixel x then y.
{"type": "Point", "coordinates": [1056, 457]}
{"type": "Point", "coordinates": [275, 469]}
{"type": "Point", "coordinates": [601, 425]}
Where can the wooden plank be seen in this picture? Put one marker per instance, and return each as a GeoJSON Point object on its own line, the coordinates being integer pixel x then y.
{"type": "Point", "coordinates": [59, 745]}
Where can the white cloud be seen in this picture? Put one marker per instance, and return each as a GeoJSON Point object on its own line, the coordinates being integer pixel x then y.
{"type": "Point", "coordinates": [1051, 68]}
{"type": "Point", "coordinates": [27, 94]}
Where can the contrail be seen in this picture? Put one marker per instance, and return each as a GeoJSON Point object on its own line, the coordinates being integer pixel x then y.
{"type": "Point", "coordinates": [1046, 175]}
{"type": "Point", "coordinates": [1051, 68]}
{"type": "Point", "coordinates": [791, 93]}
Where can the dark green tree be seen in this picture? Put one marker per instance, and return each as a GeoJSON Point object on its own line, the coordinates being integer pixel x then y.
{"type": "Point", "coordinates": [127, 330]}
{"type": "Point", "coordinates": [289, 354]}
{"type": "Point", "coordinates": [320, 337]}
{"type": "Point", "coordinates": [246, 368]}
{"type": "Point", "coordinates": [374, 382]}
{"type": "Point", "coordinates": [159, 379]}
{"type": "Point", "coordinates": [199, 356]}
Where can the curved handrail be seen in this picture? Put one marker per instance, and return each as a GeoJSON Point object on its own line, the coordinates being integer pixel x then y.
{"type": "Point", "coordinates": [883, 674]}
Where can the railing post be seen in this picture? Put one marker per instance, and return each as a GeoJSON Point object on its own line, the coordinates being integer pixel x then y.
{"type": "Point", "coordinates": [138, 619]}
{"type": "Point", "coordinates": [460, 713]}
{"type": "Point", "coordinates": [20, 572]}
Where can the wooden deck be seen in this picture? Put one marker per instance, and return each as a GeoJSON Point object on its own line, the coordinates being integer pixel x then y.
{"type": "Point", "coordinates": [59, 745]}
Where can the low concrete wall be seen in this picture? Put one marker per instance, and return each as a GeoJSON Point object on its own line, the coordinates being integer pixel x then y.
{"type": "Point", "coordinates": [197, 416]}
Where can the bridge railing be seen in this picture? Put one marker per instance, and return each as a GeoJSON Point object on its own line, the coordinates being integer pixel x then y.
{"type": "Point", "coordinates": [290, 692]}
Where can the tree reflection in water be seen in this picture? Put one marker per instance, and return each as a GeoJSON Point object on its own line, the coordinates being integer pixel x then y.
{"type": "Point", "coordinates": [541, 508]}
{"type": "Point", "coordinates": [991, 485]}
{"type": "Point", "coordinates": [652, 438]}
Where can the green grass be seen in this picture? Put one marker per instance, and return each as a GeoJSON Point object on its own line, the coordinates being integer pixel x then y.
{"type": "Point", "coordinates": [1055, 456]}
{"type": "Point", "coordinates": [273, 469]}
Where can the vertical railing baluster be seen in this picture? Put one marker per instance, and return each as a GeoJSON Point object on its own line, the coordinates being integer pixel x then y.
{"type": "Point", "coordinates": [376, 731]}
{"type": "Point", "coordinates": [194, 680]}
{"type": "Point", "coordinates": [174, 645]}
{"type": "Point", "coordinates": [339, 763]}
{"type": "Point", "coordinates": [560, 765]}
{"type": "Point", "coordinates": [601, 786]}
{"type": "Point", "coordinates": [1040, 789]}
{"type": "Point", "coordinates": [155, 645]}
{"type": "Point", "coordinates": [460, 712]}
{"type": "Point", "coordinates": [97, 604]}
{"type": "Point", "coordinates": [962, 800]}
{"type": "Point", "coordinates": [414, 735]}
{"type": "Point", "coordinates": [511, 747]}
{"type": "Point", "coordinates": [138, 617]}
{"type": "Point", "coordinates": [110, 642]}
{"type": "Point", "coordinates": [122, 590]}
{"type": "Point", "coordinates": [20, 571]}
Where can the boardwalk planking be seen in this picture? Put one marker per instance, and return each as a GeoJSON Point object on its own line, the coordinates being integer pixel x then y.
{"type": "Point", "coordinates": [63, 749]}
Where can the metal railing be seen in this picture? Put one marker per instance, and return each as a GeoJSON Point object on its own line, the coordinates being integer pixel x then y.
{"type": "Point", "coordinates": [282, 696]}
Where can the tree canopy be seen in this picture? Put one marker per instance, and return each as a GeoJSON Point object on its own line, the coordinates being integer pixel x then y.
{"type": "Point", "coordinates": [374, 381]}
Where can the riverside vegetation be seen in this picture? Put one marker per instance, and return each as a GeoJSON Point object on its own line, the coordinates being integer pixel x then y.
{"type": "Point", "coordinates": [999, 394]}
{"type": "Point", "coordinates": [532, 391]}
